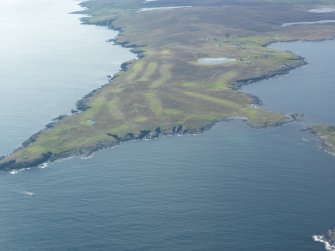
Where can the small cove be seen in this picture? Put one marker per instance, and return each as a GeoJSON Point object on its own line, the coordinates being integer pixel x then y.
{"type": "Point", "coordinates": [312, 95]}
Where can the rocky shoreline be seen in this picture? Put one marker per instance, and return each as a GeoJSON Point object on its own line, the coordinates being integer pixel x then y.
{"type": "Point", "coordinates": [283, 71]}
{"type": "Point", "coordinates": [117, 140]}
{"type": "Point", "coordinates": [324, 144]}
{"type": "Point", "coordinates": [87, 151]}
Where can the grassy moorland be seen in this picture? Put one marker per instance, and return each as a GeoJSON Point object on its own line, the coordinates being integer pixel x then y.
{"type": "Point", "coordinates": [166, 90]}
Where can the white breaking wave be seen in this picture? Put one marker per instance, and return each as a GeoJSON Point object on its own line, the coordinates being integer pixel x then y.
{"type": "Point", "coordinates": [28, 193]}
{"type": "Point", "coordinates": [322, 239]}
{"type": "Point", "coordinates": [43, 166]}
{"type": "Point", "coordinates": [16, 171]}
{"type": "Point", "coordinates": [86, 157]}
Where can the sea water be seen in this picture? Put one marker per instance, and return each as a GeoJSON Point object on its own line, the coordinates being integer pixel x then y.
{"type": "Point", "coordinates": [47, 62]}
{"type": "Point", "coordinates": [308, 90]}
{"type": "Point", "coordinates": [231, 188]}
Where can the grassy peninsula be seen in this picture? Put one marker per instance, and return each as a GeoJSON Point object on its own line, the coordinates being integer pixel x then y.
{"type": "Point", "coordinates": [326, 133]}
{"type": "Point", "coordinates": [167, 90]}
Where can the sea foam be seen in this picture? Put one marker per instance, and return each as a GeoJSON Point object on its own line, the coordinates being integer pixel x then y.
{"type": "Point", "coordinates": [28, 193]}
{"type": "Point", "coordinates": [323, 239]}
{"type": "Point", "coordinates": [16, 171]}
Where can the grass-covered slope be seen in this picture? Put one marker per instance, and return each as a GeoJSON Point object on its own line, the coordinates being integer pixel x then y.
{"type": "Point", "coordinates": [166, 89]}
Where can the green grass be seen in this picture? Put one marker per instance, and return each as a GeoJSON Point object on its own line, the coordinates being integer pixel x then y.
{"type": "Point", "coordinates": [154, 103]}
{"type": "Point", "coordinates": [149, 71]}
{"type": "Point", "coordinates": [165, 75]}
{"type": "Point", "coordinates": [222, 83]}
{"type": "Point", "coordinates": [218, 101]}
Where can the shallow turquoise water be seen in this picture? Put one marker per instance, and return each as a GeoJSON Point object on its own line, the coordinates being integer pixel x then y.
{"type": "Point", "coordinates": [232, 188]}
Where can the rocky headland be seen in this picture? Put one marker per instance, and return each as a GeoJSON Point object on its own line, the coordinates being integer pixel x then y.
{"type": "Point", "coordinates": [165, 91]}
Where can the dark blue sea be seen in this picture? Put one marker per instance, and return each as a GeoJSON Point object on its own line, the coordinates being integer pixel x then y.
{"type": "Point", "coordinates": [231, 188]}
